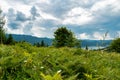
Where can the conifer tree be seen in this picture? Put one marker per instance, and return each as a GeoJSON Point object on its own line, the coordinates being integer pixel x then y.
{"type": "Point", "coordinates": [42, 44]}
{"type": "Point", "coordinates": [10, 40]}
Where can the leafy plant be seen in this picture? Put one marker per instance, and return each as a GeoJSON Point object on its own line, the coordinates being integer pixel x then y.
{"type": "Point", "coordinates": [56, 76]}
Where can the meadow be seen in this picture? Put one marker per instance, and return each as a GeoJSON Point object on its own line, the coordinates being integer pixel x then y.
{"type": "Point", "coordinates": [23, 61]}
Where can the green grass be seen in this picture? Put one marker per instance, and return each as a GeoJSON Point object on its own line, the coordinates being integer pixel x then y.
{"type": "Point", "coordinates": [25, 62]}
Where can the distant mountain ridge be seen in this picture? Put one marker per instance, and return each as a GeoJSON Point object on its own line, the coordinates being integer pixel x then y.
{"type": "Point", "coordinates": [95, 42]}
{"type": "Point", "coordinates": [33, 39]}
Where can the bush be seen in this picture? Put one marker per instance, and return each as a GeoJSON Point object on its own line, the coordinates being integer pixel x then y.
{"type": "Point", "coordinates": [115, 45]}
{"type": "Point", "coordinates": [78, 52]}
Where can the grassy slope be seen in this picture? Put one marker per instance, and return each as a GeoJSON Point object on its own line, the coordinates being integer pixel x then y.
{"type": "Point", "coordinates": [25, 62]}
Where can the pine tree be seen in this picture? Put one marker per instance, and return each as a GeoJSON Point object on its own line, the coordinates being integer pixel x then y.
{"type": "Point", "coordinates": [10, 40]}
{"type": "Point", "coordinates": [86, 47]}
{"type": "Point", "coordinates": [42, 44]}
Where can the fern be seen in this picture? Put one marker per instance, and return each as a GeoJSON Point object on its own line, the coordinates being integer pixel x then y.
{"type": "Point", "coordinates": [56, 76]}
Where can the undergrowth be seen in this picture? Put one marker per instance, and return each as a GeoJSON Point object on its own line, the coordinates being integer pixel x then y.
{"type": "Point", "coordinates": [26, 62]}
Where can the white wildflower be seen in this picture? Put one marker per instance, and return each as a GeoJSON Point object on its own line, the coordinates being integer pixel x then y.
{"type": "Point", "coordinates": [41, 67]}
{"type": "Point", "coordinates": [59, 71]}
{"type": "Point", "coordinates": [25, 61]}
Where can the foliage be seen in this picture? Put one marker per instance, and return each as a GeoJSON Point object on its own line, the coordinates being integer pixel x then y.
{"type": "Point", "coordinates": [10, 40]}
{"type": "Point", "coordinates": [2, 31]}
{"type": "Point", "coordinates": [64, 37]}
{"type": "Point", "coordinates": [115, 45]}
{"type": "Point", "coordinates": [86, 47]}
{"type": "Point", "coordinates": [23, 61]}
{"type": "Point", "coordinates": [57, 76]}
{"type": "Point", "coordinates": [3, 38]}
{"type": "Point", "coordinates": [41, 44]}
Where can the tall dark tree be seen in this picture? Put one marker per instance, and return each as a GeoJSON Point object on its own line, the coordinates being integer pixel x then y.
{"type": "Point", "coordinates": [86, 47]}
{"type": "Point", "coordinates": [10, 40]}
{"type": "Point", "coordinates": [2, 31]}
{"type": "Point", "coordinates": [64, 37]}
{"type": "Point", "coordinates": [42, 44]}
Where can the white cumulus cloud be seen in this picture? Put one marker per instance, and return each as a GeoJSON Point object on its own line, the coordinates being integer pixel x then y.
{"type": "Point", "coordinates": [89, 19]}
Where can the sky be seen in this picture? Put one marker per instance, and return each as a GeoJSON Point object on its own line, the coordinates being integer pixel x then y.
{"type": "Point", "coordinates": [88, 19]}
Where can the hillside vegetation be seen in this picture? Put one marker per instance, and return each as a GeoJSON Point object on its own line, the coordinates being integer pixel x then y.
{"type": "Point", "coordinates": [26, 62]}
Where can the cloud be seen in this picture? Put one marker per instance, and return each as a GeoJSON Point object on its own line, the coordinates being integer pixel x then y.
{"type": "Point", "coordinates": [15, 19]}
{"type": "Point", "coordinates": [14, 25]}
{"type": "Point", "coordinates": [101, 36]}
{"type": "Point", "coordinates": [34, 13]}
{"type": "Point", "coordinates": [21, 17]}
{"type": "Point", "coordinates": [59, 8]}
{"type": "Point", "coordinates": [79, 16]}
{"type": "Point", "coordinates": [94, 36]}
{"type": "Point", "coordinates": [105, 10]}
{"type": "Point", "coordinates": [83, 36]}
{"type": "Point", "coordinates": [27, 28]}
{"type": "Point", "coordinates": [38, 31]}
{"type": "Point", "coordinates": [11, 14]}
{"type": "Point", "coordinates": [88, 19]}
{"type": "Point", "coordinates": [48, 16]}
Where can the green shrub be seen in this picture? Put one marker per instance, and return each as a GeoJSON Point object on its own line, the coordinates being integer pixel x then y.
{"type": "Point", "coordinates": [115, 45]}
